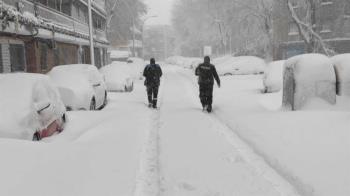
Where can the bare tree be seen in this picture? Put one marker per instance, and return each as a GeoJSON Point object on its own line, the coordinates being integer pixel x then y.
{"type": "Point", "coordinates": [306, 24]}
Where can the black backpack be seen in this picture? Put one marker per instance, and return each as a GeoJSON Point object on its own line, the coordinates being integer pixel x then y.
{"type": "Point", "coordinates": [205, 74]}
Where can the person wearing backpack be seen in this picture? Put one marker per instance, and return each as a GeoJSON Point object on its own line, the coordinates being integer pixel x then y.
{"type": "Point", "coordinates": [206, 73]}
{"type": "Point", "coordinates": [152, 73]}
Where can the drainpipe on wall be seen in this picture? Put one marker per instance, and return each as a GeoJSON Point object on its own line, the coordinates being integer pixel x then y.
{"type": "Point", "coordinates": [92, 54]}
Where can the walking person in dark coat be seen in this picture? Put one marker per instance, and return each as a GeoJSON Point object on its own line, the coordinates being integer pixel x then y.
{"type": "Point", "coordinates": [206, 73]}
{"type": "Point", "coordinates": [152, 73]}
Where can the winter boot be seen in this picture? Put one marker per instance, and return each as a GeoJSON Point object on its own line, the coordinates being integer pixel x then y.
{"type": "Point", "coordinates": [209, 109]}
{"type": "Point", "coordinates": [154, 103]}
{"type": "Point", "coordinates": [205, 107]}
{"type": "Point", "coordinates": [150, 105]}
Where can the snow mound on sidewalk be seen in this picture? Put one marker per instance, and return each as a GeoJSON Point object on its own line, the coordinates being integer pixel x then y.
{"type": "Point", "coordinates": [273, 76]}
{"type": "Point", "coordinates": [342, 69]}
{"type": "Point", "coordinates": [308, 76]}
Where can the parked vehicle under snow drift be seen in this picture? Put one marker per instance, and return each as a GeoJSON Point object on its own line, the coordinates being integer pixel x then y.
{"type": "Point", "coordinates": [31, 107]}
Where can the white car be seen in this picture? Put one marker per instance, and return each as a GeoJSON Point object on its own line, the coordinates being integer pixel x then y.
{"type": "Point", "coordinates": [81, 86]}
{"type": "Point", "coordinates": [240, 65]}
{"type": "Point", "coordinates": [273, 77]}
{"type": "Point", "coordinates": [118, 77]}
{"type": "Point", "coordinates": [31, 107]}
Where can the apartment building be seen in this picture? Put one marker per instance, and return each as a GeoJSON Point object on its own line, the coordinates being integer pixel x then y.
{"type": "Point", "coordinates": [36, 35]}
{"type": "Point", "coordinates": [332, 24]}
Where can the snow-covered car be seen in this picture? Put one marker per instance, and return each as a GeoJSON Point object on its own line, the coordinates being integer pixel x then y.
{"type": "Point", "coordinates": [273, 76]}
{"type": "Point", "coordinates": [341, 65]}
{"type": "Point", "coordinates": [118, 77]}
{"type": "Point", "coordinates": [82, 87]}
{"type": "Point", "coordinates": [31, 107]}
{"type": "Point", "coordinates": [119, 55]}
{"type": "Point", "coordinates": [241, 65]}
{"type": "Point", "coordinates": [136, 67]}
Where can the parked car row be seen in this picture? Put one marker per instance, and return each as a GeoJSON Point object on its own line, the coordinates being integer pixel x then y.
{"type": "Point", "coordinates": [36, 104]}
{"type": "Point", "coordinates": [308, 76]}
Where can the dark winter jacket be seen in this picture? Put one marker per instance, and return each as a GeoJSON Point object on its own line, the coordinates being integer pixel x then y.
{"type": "Point", "coordinates": [152, 73]}
{"type": "Point", "coordinates": [206, 73]}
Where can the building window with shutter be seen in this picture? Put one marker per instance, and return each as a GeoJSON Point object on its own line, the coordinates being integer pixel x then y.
{"type": "Point", "coordinates": [293, 29]}
{"type": "Point", "coordinates": [17, 58]}
{"type": "Point", "coordinates": [43, 48]}
{"type": "Point", "coordinates": [67, 7]}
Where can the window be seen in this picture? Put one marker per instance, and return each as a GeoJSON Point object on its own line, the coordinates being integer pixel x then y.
{"type": "Point", "coordinates": [64, 6]}
{"type": "Point", "coordinates": [293, 29]}
{"type": "Point", "coordinates": [97, 55]}
{"type": "Point", "coordinates": [1, 64]}
{"type": "Point", "coordinates": [53, 4]}
{"type": "Point", "coordinates": [326, 27]}
{"type": "Point", "coordinates": [67, 7]}
{"type": "Point", "coordinates": [326, 2]}
{"type": "Point", "coordinates": [43, 56]}
{"type": "Point", "coordinates": [17, 57]}
{"type": "Point", "coordinates": [347, 9]}
{"type": "Point", "coordinates": [44, 2]}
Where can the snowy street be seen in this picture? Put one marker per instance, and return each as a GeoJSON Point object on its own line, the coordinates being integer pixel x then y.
{"type": "Point", "coordinates": [174, 98]}
{"type": "Point", "coordinates": [129, 149]}
{"type": "Point", "coordinates": [109, 152]}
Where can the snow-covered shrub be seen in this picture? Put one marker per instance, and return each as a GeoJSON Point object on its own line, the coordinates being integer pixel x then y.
{"type": "Point", "coordinates": [308, 76]}
{"type": "Point", "coordinates": [242, 65]}
{"type": "Point", "coordinates": [273, 76]}
{"type": "Point", "coordinates": [342, 69]}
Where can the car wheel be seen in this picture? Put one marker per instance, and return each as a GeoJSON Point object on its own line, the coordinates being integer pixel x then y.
{"type": "Point", "coordinates": [64, 118]}
{"type": "Point", "coordinates": [131, 87]}
{"type": "Point", "coordinates": [105, 99]}
{"type": "Point", "coordinates": [36, 136]}
{"type": "Point", "coordinates": [93, 104]}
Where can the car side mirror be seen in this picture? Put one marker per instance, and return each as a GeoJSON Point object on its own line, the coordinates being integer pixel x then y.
{"type": "Point", "coordinates": [42, 106]}
{"type": "Point", "coordinates": [97, 85]}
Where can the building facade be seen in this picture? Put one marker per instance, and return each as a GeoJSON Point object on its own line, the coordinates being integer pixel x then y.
{"type": "Point", "coordinates": [36, 35]}
{"type": "Point", "coordinates": [332, 24]}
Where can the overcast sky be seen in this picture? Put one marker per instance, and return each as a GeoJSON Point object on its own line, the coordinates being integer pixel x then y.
{"type": "Point", "coordinates": [161, 8]}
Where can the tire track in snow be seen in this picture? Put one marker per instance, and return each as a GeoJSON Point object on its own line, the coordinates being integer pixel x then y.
{"type": "Point", "coordinates": [148, 176]}
{"type": "Point", "coordinates": [258, 163]}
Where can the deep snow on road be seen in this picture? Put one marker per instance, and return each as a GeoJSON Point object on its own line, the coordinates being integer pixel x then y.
{"type": "Point", "coordinates": [195, 158]}
{"type": "Point", "coordinates": [129, 149]}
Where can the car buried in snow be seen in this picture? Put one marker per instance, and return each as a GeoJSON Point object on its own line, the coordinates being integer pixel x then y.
{"type": "Point", "coordinates": [81, 86]}
{"type": "Point", "coordinates": [31, 107]}
{"type": "Point", "coordinates": [118, 77]}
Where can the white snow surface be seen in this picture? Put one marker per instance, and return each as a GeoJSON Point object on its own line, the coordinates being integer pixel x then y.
{"type": "Point", "coordinates": [342, 68]}
{"type": "Point", "coordinates": [118, 75]}
{"type": "Point", "coordinates": [185, 62]}
{"type": "Point", "coordinates": [273, 76]}
{"type": "Point", "coordinates": [22, 95]}
{"type": "Point", "coordinates": [240, 65]}
{"type": "Point", "coordinates": [310, 67]}
{"type": "Point", "coordinates": [248, 146]}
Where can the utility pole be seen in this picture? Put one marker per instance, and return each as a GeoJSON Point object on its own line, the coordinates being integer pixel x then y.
{"type": "Point", "coordinates": [92, 54]}
{"type": "Point", "coordinates": [133, 36]}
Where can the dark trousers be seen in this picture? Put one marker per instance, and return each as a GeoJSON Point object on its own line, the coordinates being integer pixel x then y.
{"type": "Point", "coordinates": [152, 94]}
{"type": "Point", "coordinates": [206, 94]}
